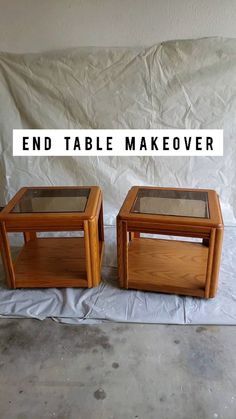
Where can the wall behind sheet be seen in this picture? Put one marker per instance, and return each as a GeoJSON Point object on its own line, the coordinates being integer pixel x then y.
{"type": "Point", "coordinates": [33, 25]}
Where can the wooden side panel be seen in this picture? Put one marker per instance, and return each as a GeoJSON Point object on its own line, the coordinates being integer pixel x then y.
{"type": "Point", "coordinates": [51, 262]}
{"type": "Point", "coordinates": [167, 266]}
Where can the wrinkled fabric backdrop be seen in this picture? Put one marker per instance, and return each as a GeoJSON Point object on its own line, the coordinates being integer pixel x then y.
{"type": "Point", "coordinates": [177, 84]}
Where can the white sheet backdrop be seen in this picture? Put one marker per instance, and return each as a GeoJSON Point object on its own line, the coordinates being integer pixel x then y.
{"type": "Point", "coordinates": [179, 84]}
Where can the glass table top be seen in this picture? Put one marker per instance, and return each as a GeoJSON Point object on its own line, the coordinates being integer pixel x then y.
{"type": "Point", "coordinates": [52, 200]}
{"type": "Point", "coordinates": [171, 202]}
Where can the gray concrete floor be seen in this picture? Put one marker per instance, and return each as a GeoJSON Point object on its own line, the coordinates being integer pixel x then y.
{"type": "Point", "coordinates": [120, 371]}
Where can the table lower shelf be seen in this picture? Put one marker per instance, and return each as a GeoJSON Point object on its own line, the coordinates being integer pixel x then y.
{"type": "Point", "coordinates": [168, 266]}
{"type": "Point", "coordinates": [52, 262]}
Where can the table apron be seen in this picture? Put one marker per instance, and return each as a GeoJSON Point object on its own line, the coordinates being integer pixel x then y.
{"type": "Point", "coordinates": [170, 230]}
{"type": "Point", "coordinates": [21, 227]}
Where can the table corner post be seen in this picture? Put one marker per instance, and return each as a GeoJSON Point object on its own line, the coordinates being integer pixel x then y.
{"type": "Point", "coordinates": [6, 256]}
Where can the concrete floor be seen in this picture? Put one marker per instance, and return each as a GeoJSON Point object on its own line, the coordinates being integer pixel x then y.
{"type": "Point", "coordinates": [120, 371]}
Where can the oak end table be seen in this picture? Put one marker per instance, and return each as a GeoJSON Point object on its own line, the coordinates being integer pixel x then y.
{"type": "Point", "coordinates": [186, 264]}
{"type": "Point", "coordinates": [54, 261]}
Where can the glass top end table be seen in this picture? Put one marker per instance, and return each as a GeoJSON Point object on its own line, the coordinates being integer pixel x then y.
{"type": "Point", "coordinates": [72, 260]}
{"type": "Point", "coordinates": [187, 262]}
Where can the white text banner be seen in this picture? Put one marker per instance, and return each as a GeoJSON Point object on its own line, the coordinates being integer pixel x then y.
{"type": "Point", "coordinates": [117, 142]}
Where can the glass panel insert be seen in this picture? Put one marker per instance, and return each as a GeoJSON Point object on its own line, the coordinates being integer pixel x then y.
{"type": "Point", "coordinates": [53, 200]}
{"type": "Point", "coordinates": [172, 202]}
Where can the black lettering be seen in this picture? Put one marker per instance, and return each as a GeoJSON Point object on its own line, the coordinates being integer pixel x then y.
{"type": "Point", "coordinates": [36, 143]}
{"type": "Point", "coordinates": [77, 144]}
{"type": "Point", "coordinates": [98, 144]}
{"type": "Point", "coordinates": [67, 142]}
{"type": "Point", "coordinates": [143, 144]}
{"type": "Point", "coordinates": [47, 143]}
{"type": "Point", "coordinates": [109, 143]}
{"type": "Point", "coordinates": [198, 143]}
{"type": "Point", "coordinates": [88, 143]}
{"type": "Point", "coordinates": [176, 144]}
{"type": "Point", "coordinates": [165, 143]}
{"type": "Point", "coordinates": [129, 143]}
{"type": "Point", "coordinates": [154, 143]}
{"type": "Point", "coordinates": [25, 143]}
{"type": "Point", "coordinates": [209, 143]}
{"type": "Point", "coordinates": [187, 142]}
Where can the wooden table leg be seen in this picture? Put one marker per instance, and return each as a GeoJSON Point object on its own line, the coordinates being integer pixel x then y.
{"type": "Point", "coordinates": [216, 262]}
{"type": "Point", "coordinates": [6, 256]}
{"type": "Point", "coordinates": [29, 235]}
{"type": "Point", "coordinates": [122, 252]}
{"type": "Point", "coordinates": [133, 235]}
{"type": "Point", "coordinates": [88, 254]}
{"type": "Point", "coordinates": [27, 206]}
{"type": "Point", "coordinates": [211, 246]}
{"type": "Point", "coordinates": [94, 251]}
{"type": "Point", "coordinates": [101, 224]}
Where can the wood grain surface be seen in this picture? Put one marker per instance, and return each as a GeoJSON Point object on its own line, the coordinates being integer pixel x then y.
{"type": "Point", "coordinates": [51, 262]}
{"type": "Point", "coordinates": [167, 266]}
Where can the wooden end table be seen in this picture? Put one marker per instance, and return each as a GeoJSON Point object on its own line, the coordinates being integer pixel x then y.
{"type": "Point", "coordinates": [170, 266]}
{"type": "Point", "coordinates": [54, 261]}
